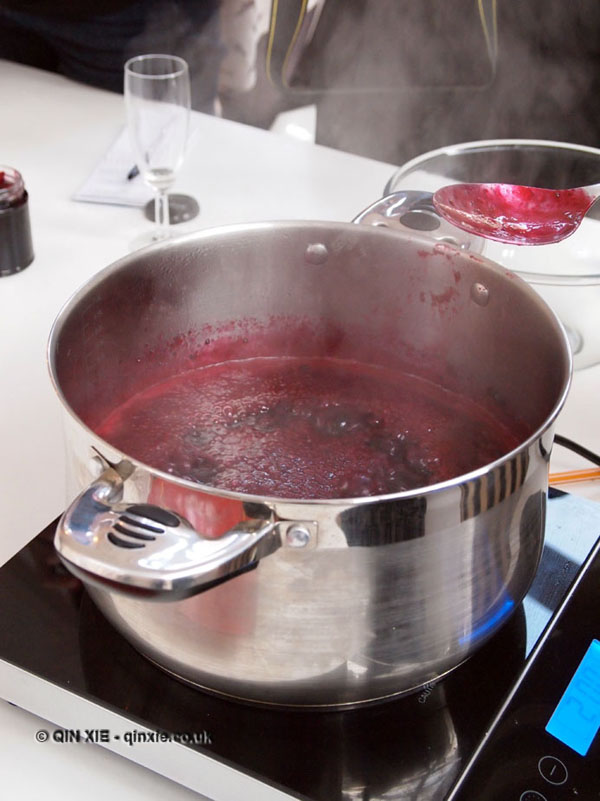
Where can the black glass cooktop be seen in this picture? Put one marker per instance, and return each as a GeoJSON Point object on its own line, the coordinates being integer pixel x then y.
{"type": "Point", "coordinates": [409, 748]}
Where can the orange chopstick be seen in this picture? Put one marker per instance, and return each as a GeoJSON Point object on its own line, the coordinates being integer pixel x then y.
{"type": "Point", "coordinates": [574, 475]}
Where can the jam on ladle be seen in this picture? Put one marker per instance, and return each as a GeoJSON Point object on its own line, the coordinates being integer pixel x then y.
{"type": "Point", "coordinates": [520, 215]}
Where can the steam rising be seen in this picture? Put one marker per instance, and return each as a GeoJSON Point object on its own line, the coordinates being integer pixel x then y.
{"type": "Point", "coordinates": [395, 78]}
{"type": "Point", "coordinates": [400, 77]}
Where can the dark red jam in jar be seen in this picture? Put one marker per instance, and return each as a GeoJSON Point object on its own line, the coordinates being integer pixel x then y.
{"type": "Point", "coordinates": [16, 249]}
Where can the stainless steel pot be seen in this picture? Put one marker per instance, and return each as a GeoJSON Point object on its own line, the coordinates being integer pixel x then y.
{"type": "Point", "coordinates": [331, 602]}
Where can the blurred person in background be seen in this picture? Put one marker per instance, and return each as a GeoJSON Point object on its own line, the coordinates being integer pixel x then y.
{"type": "Point", "coordinates": [390, 78]}
{"type": "Point", "coordinates": [90, 41]}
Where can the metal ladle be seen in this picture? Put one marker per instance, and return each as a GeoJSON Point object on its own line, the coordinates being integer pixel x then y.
{"type": "Point", "coordinates": [519, 215]}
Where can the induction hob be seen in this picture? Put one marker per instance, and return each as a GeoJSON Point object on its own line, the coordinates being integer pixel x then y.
{"type": "Point", "coordinates": [61, 659]}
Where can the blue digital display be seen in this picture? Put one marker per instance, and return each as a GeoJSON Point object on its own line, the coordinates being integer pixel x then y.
{"type": "Point", "coordinates": [576, 719]}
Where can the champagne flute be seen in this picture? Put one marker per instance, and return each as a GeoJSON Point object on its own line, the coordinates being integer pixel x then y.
{"type": "Point", "coordinates": [157, 102]}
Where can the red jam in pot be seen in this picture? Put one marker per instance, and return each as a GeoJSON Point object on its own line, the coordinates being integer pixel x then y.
{"type": "Point", "coordinates": [306, 428]}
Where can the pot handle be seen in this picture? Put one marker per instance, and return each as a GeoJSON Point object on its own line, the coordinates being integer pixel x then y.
{"type": "Point", "coordinates": [412, 211]}
{"type": "Point", "coordinates": [144, 550]}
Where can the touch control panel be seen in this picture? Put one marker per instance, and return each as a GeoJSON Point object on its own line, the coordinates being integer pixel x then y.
{"type": "Point", "coordinates": [544, 744]}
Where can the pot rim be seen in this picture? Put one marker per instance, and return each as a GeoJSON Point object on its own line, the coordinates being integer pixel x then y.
{"type": "Point", "coordinates": [224, 230]}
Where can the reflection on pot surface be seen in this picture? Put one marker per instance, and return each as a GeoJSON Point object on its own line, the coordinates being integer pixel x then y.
{"type": "Point", "coordinates": [408, 749]}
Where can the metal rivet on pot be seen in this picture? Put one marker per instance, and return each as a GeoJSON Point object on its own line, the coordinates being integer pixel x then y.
{"type": "Point", "coordinates": [450, 240]}
{"type": "Point", "coordinates": [297, 536]}
{"type": "Point", "coordinates": [316, 253]}
{"type": "Point", "coordinates": [480, 294]}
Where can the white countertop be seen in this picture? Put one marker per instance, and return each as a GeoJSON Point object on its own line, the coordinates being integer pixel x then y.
{"type": "Point", "coordinates": [54, 132]}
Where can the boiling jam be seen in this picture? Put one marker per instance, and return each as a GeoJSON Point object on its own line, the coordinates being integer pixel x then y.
{"type": "Point", "coordinates": [306, 428]}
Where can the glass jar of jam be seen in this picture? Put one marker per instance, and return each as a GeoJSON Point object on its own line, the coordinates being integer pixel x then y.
{"type": "Point", "coordinates": [16, 248]}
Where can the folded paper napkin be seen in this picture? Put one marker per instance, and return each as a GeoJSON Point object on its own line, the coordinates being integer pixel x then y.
{"type": "Point", "coordinates": [109, 181]}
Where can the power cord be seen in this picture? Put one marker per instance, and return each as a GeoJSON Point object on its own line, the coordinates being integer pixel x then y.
{"type": "Point", "coordinates": [576, 448]}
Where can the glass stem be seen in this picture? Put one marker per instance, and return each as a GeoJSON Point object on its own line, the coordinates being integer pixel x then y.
{"type": "Point", "coordinates": [161, 213]}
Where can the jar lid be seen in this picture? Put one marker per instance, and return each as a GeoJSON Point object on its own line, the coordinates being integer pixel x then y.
{"type": "Point", "coordinates": [11, 186]}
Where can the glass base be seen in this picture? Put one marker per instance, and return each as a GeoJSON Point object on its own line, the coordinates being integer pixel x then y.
{"type": "Point", "coordinates": [182, 208]}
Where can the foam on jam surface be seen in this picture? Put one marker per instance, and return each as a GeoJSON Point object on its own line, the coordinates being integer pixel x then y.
{"type": "Point", "coordinates": [306, 428]}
